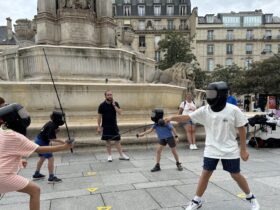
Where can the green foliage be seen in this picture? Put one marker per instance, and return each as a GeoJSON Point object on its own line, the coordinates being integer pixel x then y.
{"type": "Point", "coordinates": [201, 79]}
{"type": "Point", "coordinates": [232, 75]}
{"type": "Point", "coordinates": [176, 48]}
{"type": "Point", "coordinates": [263, 77]}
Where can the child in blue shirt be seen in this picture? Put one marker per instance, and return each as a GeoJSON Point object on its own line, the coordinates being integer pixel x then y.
{"type": "Point", "coordinates": [166, 134]}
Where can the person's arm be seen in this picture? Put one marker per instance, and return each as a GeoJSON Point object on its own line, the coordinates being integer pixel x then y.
{"type": "Point", "coordinates": [145, 132]}
{"type": "Point", "coordinates": [117, 108]}
{"type": "Point", "coordinates": [175, 134]}
{"type": "Point", "coordinates": [243, 149]}
{"type": "Point", "coordinates": [46, 149]}
{"type": "Point", "coordinates": [99, 117]}
{"type": "Point", "coordinates": [58, 140]}
{"type": "Point", "coordinates": [177, 118]}
{"type": "Point", "coordinates": [180, 111]}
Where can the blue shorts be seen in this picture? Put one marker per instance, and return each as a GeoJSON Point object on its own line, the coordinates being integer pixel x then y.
{"type": "Point", "coordinates": [40, 142]}
{"type": "Point", "coordinates": [230, 165]}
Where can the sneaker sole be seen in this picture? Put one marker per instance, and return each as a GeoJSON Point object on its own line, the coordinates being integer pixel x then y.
{"type": "Point", "coordinates": [36, 179]}
{"type": "Point", "coordinates": [123, 159]}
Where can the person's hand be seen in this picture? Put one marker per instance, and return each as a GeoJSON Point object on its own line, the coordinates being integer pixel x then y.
{"type": "Point", "coordinates": [68, 146]}
{"type": "Point", "coordinates": [23, 163]}
{"type": "Point", "coordinates": [70, 141]}
{"type": "Point", "coordinates": [244, 154]}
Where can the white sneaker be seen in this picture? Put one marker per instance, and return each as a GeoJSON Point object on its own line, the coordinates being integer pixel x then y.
{"type": "Point", "coordinates": [110, 159]}
{"type": "Point", "coordinates": [124, 157]}
{"type": "Point", "coordinates": [191, 146]}
{"type": "Point", "coordinates": [194, 205]}
{"type": "Point", "coordinates": [194, 146]}
{"type": "Point", "coordinates": [254, 203]}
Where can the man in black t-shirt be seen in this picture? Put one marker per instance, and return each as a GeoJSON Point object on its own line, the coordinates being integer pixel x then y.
{"type": "Point", "coordinates": [107, 124]}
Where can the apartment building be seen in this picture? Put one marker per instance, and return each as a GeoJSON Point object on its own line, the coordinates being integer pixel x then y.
{"type": "Point", "coordinates": [236, 38]}
{"type": "Point", "coordinates": [152, 19]}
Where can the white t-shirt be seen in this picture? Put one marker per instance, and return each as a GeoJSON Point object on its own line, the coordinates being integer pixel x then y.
{"type": "Point", "coordinates": [187, 107]}
{"type": "Point", "coordinates": [220, 129]}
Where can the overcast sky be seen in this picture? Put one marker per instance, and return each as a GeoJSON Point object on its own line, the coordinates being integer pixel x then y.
{"type": "Point", "coordinates": [16, 9]}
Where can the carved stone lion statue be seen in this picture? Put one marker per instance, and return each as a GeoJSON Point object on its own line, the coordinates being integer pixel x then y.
{"type": "Point", "coordinates": [181, 74]}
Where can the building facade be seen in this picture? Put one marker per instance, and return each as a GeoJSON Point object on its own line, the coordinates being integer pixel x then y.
{"type": "Point", "coordinates": [152, 19]}
{"type": "Point", "coordinates": [236, 38]}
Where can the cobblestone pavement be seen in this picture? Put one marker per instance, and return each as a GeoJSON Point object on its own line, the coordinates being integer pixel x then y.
{"type": "Point", "coordinates": [90, 182]}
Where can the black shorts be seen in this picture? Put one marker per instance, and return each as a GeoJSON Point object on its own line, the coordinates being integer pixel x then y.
{"type": "Point", "coordinates": [111, 134]}
{"type": "Point", "coordinates": [170, 141]}
{"type": "Point", "coordinates": [230, 165]}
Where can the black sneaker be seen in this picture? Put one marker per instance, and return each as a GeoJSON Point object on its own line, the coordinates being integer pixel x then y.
{"type": "Point", "coordinates": [38, 176]}
{"type": "Point", "coordinates": [156, 168]}
{"type": "Point", "coordinates": [179, 166]}
{"type": "Point", "coordinates": [54, 180]}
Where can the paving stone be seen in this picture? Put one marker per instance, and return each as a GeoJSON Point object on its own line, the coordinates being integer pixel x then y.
{"type": "Point", "coordinates": [157, 184]}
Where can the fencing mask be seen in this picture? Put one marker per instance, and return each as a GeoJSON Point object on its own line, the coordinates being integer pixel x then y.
{"type": "Point", "coordinates": [216, 95]}
{"type": "Point", "coordinates": [58, 118]}
{"type": "Point", "coordinates": [157, 115]}
{"type": "Point", "coordinates": [15, 117]}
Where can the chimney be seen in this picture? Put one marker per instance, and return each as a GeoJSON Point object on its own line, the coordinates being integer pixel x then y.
{"type": "Point", "coordinates": [9, 28]}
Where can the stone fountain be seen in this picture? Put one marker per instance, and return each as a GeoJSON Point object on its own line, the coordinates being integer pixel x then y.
{"type": "Point", "coordinates": [79, 38]}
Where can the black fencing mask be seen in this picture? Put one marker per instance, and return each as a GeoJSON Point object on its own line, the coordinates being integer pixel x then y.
{"type": "Point", "coordinates": [58, 118]}
{"type": "Point", "coordinates": [157, 115]}
{"type": "Point", "coordinates": [15, 117]}
{"type": "Point", "coordinates": [216, 95]}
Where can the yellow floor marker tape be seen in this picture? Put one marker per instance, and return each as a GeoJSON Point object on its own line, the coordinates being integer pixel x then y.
{"type": "Point", "coordinates": [104, 208]}
{"type": "Point", "coordinates": [91, 173]}
{"type": "Point", "coordinates": [92, 189]}
{"type": "Point", "coordinates": [241, 195]}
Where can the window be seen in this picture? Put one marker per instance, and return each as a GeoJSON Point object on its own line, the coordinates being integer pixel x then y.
{"type": "Point", "coordinates": [231, 21]}
{"type": "Point", "coordinates": [141, 25]}
{"type": "Point", "coordinates": [278, 36]}
{"type": "Point", "coordinates": [278, 48]}
{"type": "Point", "coordinates": [250, 21]}
{"type": "Point", "coordinates": [157, 1]}
{"type": "Point", "coordinates": [157, 39]}
{"type": "Point", "coordinates": [157, 10]}
{"type": "Point", "coordinates": [229, 34]}
{"type": "Point", "coordinates": [249, 35]}
{"type": "Point", "coordinates": [183, 1]}
{"type": "Point", "coordinates": [170, 25]}
{"type": "Point", "coordinates": [114, 10]}
{"type": "Point", "coordinates": [157, 56]}
{"type": "Point", "coordinates": [268, 35]}
{"type": "Point", "coordinates": [142, 41]}
{"type": "Point", "coordinates": [209, 18]}
{"type": "Point", "coordinates": [210, 64]}
{"type": "Point", "coordinates": [141, 1]}
{"type": "Point", "coordinates": [229, 49]}
{"type": "Point", "coordinates": [249, 49]}
{"type": "Point", "coordinates": [248, 63]}
{"type": "Point", "coordinates": [157, 25]}
{"type": "Point", "coordinates": [170, 10]}
{"type": "Point", "coordinates": [229, 62]}
{"type": "Point", "coordinates": [141, 10]}
{"type": "Point", "coordinates": [210, 35]}
{"type": "Point", "coordinates": [267, 48]}
{"type": "Point", "coordinates": [183, 25]}
{"type": "Point", "coordinates": [127, 10]}
{"type": "Point", "coordinates": [210, 49]}
{"type": "Point", "coordinates": [268, 18]}
{"type": "Point", "coordinates": [169, 1]}
{"type": "Point", "coordinates": [127, 1]}
{"type": "Point", "coordinates": [183, 10]}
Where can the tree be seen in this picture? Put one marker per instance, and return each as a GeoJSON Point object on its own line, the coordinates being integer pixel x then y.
{"type": "Point", "coordinates": [176, 48]}
{"type": "Point", "coordinates": [263, 77]}
{"type": "Point", "coordinates": [232, 75]}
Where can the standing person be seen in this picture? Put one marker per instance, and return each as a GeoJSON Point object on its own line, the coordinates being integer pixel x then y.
{"type": "Point", "coordinates": [44, 138]}
{"type": "Point", "coordinates": [13, 146]}
{"type": "Point", "coordinates": [220, 120]}
{"type": "Point", "coordinates": [107, 124]}
{"type": "Point", "coordinates": [166, 134]}
{"type": "Point", "coordinates": [231, 99]}
{"type": "Point", "coordinates": [185, 108]}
